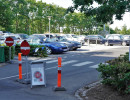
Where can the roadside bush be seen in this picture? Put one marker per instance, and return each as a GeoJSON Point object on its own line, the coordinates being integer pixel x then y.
{"type": "Point", "coordinates": [6, 52]}
{"type": "Point", "coordinates": [116, 73]}
{"type": "Point", "coordinates": [40, 53]}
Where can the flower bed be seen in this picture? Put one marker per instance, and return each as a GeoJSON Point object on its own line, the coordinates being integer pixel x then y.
{"type": "Point", "coordinates": [117, 73]}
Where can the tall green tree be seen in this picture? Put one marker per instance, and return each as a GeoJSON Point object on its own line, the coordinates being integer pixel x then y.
{"type": "Point", "coordinates": [105, 11]}
{"type": "Point", "coordinates": [5, 15]}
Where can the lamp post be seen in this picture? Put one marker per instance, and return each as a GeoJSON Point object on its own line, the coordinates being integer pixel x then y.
{"type": "Point", "coordinates": [15, 2]}
{"type": "Point", "coordinates": [49, 17]}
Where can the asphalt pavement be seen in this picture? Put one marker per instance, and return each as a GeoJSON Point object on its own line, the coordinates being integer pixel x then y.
{"type": "Point", "coordinates": [78, 70]}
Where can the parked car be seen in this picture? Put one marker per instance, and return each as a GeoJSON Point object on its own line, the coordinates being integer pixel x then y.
{"type": "Point", "coordinates": [42, 37]}
{"type": "Point", "coordinates": [49, 35]}
{"type": "Point", "coordinates": [113, 39]}
{"type": "Point", "coordinates": [23, 36]}
{"type": "Point", "coordinates": [126, 40]}
{"type": "Point", "coordinates": [78, 39]}
{"type": "Point", "coordinates": [65, 41]}
{"type": "Point", "coordinates": [51, 46]}
{"type": "Point", "coordinates": [1, 33]}
{"type": "Point", "coordinates": [75, 45]}
{"type": "Point", "coordinates": [92, 39]}
{"type": "Point", "coordinates": [2, 40]}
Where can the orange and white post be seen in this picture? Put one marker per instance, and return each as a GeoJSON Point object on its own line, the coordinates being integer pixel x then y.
{"type": "Point", "coordinates": [59, 88]}
{"type": "Point", "coordinates": [20, 65]}
{"type": "Point", "coordinates": [59, 72]}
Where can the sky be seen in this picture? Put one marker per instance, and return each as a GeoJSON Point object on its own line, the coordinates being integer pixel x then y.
{"type": "Point", "coordinates": [117, 23]}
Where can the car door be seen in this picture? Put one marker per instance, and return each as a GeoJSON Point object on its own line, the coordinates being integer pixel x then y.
{"type": "Point", "coordinates": [117, 40]}
{"type": "Point", "coordinates": [110, 39]}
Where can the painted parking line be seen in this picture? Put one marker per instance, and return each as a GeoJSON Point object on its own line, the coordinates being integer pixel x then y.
{"type": "Point", "coordinates": [82, 63]}
{"type": "Point", "coordinates": [69, 62]}
{"type": "Point", "coordinates": [10, 77]}
{"type": "Point", "coordinates": [51, 68]}
{"type": "Point", "coordinates": [94, 66]}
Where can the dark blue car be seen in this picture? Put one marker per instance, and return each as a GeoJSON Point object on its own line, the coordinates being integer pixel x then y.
{"type": "Point", "coordinates": [51, 47]}
{"type": "Point", "coordinates": [114, 40]}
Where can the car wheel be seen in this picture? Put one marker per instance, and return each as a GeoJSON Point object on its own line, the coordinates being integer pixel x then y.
{"type": "Point", "coordinates": [124, 43]}
{"type": "Point", "coordinates": [75, 49]}
{"type": "Point", "coordinates": [106, 43]}
{"type": "Point", "coordinates": [48, 50]}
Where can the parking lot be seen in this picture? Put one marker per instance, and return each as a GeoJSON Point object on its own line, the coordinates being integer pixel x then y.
{"type": "Point", "coordinates": [78, 69]}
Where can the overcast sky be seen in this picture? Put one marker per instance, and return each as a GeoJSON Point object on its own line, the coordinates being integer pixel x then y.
{"type": "Point", "coordinates": [67, 3]}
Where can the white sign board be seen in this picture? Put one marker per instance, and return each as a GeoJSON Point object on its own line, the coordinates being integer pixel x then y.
{"type": "Point", "coordinates": [38, 74]}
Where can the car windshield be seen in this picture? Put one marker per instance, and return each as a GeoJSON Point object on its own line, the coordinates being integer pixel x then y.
{"type": "Point", "coordinates": [93, 36]}
{"type": "Point", "coordinates": [2, 38]}
{"type": "Point", "coordinates": [61, 38]}
{"type": "Point", "coordinates": [51, 40]}
{"type": "Point", "coordinates": [13, 37]}
{"type": "Point", "coordinates": [68, 36]}
{"type": "Point", "coordinates": [41, 37]}
{"type": "Point", "coordinates": [126, 37]}
{"type": "Point", "coordinates": [24, 36]}
{"type": "Point", "coordinates": [101, 37]}
{"type": "Point", "coordinates": [75, 36]}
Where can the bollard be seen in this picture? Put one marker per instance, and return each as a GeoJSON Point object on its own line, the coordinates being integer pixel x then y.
{"type": "Point", "coordinates": [20, 65]}
{"type": "Point", "coordinates": [59, 72]}
{"type": "Point", "coordinates": [58, 87]}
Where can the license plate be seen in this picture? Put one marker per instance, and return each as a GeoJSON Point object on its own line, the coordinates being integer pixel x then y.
{"type": "Point", "coordinates": [65, 49]}
{"type": "Point", "coordinates": [79, 45]}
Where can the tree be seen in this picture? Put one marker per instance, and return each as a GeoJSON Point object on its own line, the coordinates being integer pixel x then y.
{"type": "Point", "coordinates": [5, 15]}
{"type": "Point", "coordinates": [124, 30]}
{"type": "Point", "coordinates": [105, 11]}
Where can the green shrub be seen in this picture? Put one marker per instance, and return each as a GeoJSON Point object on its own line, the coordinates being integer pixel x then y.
{"type": "Point", "coordinates": [117, 73]}
{"type": "Point", "coordinates": [41, 52]}
{"type": "Point", "coordinates": [6, 52]}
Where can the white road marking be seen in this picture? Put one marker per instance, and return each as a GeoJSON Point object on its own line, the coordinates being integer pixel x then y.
{"type": "Point", "coordinates": [51, 68]}
{"type": "Point", "coordinates": [68, 62]}
{"type": "Point", "coordinates": [94, 66]}
{"type": "Point", "coordinates": [82, 63]}
{"type": "Point", "coordinates": [10, 77]}
{"type": "Point", "coordinates": [48, 62]}
{"type": "Point", "coordinates": [23, 74]}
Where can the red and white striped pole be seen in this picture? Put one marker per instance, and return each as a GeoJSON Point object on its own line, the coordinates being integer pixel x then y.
{"type": "Point", "coordinates": [20, 65]}
{"type": "Point", "coordinates": [59, 72]}
{"type": "Point", "coordinates": [59, 88]}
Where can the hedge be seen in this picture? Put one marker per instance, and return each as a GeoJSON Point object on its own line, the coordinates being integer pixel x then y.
{"type": "Point", "coordinates": [116, 73]}
{"type": "Point", "coordinates": [40, 53]}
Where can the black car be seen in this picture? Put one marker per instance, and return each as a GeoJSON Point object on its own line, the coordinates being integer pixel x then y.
{"type": "Point", "coordinates": [115, 40]}
{"type": "Point", "coordinates": [93, 39]}
{"type": "Point", "coordinates": [126, 39]}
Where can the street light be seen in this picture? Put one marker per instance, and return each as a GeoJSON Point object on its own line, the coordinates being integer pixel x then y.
{"type": "Point", "coordinates": [15, 3]}
{"type": "Point", "coordinates": [49, 17]}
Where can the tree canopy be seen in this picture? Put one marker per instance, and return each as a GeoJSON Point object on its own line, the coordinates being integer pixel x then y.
{"type": "Point", "coordinates": [29, 16]}
{"type": "Point", "coordinates": [105, 11]}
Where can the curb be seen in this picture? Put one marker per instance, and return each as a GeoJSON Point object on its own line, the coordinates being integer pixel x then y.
{"type": "Point", "coordinates": [3, 64]}
{"type": "Point", "coordinates": [81, 93]}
